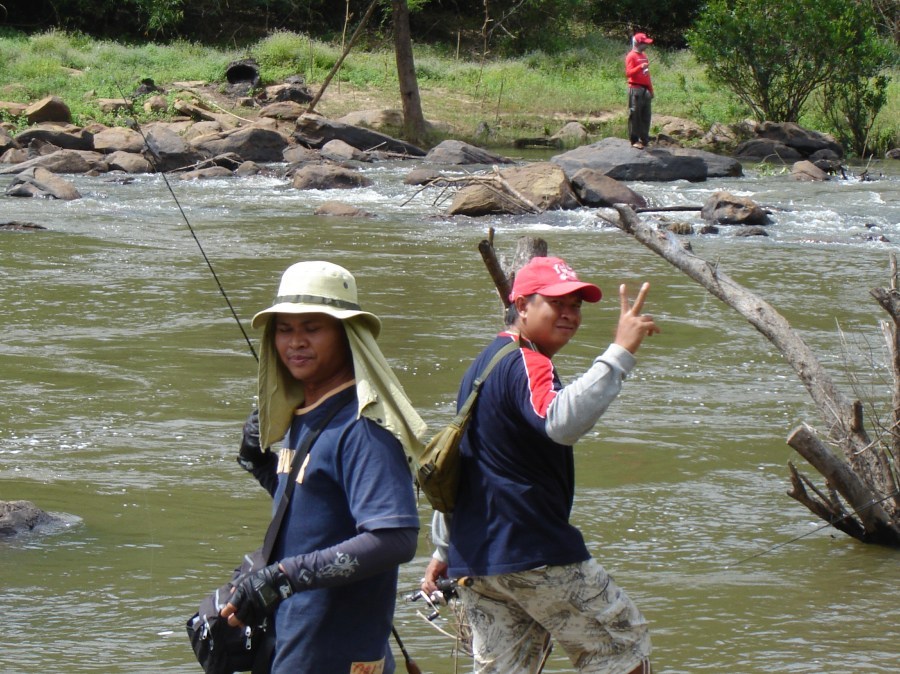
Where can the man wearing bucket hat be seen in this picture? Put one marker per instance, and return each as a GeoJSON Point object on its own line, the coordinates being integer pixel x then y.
{"type": "Point", "coordinates": [640, 91]}
{"type": "Point", "coordinates": [530, 574]}
{"type": "Point", "coordinates": [352, 518]}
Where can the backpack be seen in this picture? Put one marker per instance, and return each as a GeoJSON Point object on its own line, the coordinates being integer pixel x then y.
{"type": "Point", "coordinates": [439, 466]}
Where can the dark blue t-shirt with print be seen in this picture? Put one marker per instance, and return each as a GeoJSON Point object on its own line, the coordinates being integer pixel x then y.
{"type": "Point", "coordinates": [355, 479]}
{"type": "Point", "coordinates": [517, 485]}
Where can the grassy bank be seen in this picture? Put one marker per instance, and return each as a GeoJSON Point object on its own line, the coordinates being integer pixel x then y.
{"type": "Point", "coordinates": [490, 102]}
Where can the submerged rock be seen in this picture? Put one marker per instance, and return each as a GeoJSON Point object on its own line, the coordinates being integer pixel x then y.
{"type": "Point", "coordinates": [17, 517]}
{"type": "Point", "coordinates": [598, 189]}
{"type": "Point", "coordinates": [339, 208]}
{"type": "Point", "coordinates": [20, 226]}
{"type": "Point", "coordinates": [24, 517]}
{"type": "Point", "coordinates": [458, 152]}
{"type": "Point", "coordinates": [328, 177]}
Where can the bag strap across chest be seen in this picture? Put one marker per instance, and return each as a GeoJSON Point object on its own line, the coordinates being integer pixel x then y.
{"type": "Point", "coordinates": [337, 405]}
{"type": "Point", "coordinates": [466, 408]}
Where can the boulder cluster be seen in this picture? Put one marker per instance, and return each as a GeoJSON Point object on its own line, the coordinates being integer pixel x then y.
{"type": "Point", "coordinates": [313, 152]}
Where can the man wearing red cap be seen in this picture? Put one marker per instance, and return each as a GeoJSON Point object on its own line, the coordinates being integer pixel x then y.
{"type": "Point", "coordinates": [640, 91]}
{"type": "Point", "coordinates": [531, 574]}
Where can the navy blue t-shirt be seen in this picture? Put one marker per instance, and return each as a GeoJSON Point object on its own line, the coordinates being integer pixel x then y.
{"type": "Point", "coordinates": [516, 485]}
{"type": "Point", "coordinates": [355, 479]}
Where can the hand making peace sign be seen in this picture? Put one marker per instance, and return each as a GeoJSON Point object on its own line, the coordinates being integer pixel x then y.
{"type": "Point", "coordinates": [633, 326]}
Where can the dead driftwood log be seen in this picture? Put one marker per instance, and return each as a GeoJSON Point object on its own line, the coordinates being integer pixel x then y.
{"type": "Point", "coordinates": [865, 478]}
{"type": "Point", "coordinates": [514, 200]}
{"type": "Point", "coordinates": [503, 273]}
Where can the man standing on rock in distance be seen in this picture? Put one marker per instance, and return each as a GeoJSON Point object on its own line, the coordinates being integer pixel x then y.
{"type": "Point", "coordinates": [640, 91]}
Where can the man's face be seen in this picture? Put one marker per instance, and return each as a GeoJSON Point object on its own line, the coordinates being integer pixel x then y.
{"type": "Point", "coordinates": [314, 349]}
{"type": "Point", "coordinates": [549, 322]}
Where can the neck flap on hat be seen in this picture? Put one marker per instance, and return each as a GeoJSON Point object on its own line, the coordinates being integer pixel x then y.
{"type": "Point", "coordinates": [381, 396]}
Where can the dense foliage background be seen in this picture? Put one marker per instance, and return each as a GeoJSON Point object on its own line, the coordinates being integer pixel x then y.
{"type": "Point", "coordinates": [829, 64]}
{"type": "Point", "coordinates": [505, 25]}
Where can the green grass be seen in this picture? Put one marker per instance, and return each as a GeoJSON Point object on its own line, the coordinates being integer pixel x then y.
{"type": "Point", "coordinates": [528, 96]}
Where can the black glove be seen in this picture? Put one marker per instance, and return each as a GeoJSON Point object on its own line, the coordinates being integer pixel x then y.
{"type": "Point", "coordinates": [258, 593]}
{"type": "Point", "coordinates": [251, 455]}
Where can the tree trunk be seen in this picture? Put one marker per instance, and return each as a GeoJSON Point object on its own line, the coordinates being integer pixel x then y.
{"type": "Point", "coordinates": [864, 478]}
{"type": "Point", "coordinates": [413, 121]}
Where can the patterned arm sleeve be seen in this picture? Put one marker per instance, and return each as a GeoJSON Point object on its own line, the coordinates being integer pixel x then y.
{"type": "Point", "coordinates": [364, 555]}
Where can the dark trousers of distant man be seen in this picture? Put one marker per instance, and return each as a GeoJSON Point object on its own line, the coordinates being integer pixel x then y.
{"type": "Point", "coordinates": [639, 114]}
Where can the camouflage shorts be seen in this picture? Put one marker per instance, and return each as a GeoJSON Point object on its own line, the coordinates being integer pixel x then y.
{"type": "Point", "coordinates": [513, 615]}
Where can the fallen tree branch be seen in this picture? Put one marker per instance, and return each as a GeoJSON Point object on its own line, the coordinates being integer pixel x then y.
{"type": "Point", "coordinates": [495, 270]}
{"type": "Point", "coordinates": [862, 478]}
{"type": "Point", "coordinates": [839, 475]}
{"type": "Point", "coordinates": [667, 209]}
{"type": "Point", "coordinates": [889, 299]}
{"type": "Point", "coordinates": [494, 182]}
{"type": "Point", "coordinates": [200, 97]}
{"type": "Point", "coordinates": [824, 509]}
{"type": "Point", "coordinates": [759, 313]}
{"type": "Point", "coordinates": [513, 191]}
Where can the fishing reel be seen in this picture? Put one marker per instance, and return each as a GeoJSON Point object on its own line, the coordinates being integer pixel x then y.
{"type": "Point", "coordinates": [446, 590]}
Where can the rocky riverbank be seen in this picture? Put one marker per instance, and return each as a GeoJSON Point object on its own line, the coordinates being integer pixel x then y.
{"type": "Point", "coordinates": [205, 139]}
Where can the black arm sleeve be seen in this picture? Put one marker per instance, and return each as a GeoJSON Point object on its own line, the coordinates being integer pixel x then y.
{"type": "Point", "coordinates": [357, 558]}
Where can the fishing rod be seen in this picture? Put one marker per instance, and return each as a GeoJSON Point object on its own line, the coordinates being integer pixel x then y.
{"type": "Point", "coordinates": [203, 253]}
{"type": "Point", "coordinates": [156, 161]}
{"type": "Point", "coordinates": [817, 529]}
{"type": "Point", "coordinates": [411, 665]}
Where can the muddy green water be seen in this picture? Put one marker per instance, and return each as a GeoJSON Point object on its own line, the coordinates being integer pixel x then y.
{"type": "Point", "coordinates": [126, 381]}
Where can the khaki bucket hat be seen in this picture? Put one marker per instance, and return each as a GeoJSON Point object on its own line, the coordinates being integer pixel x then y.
{"type": "Point", "coordinates": [318, 287]}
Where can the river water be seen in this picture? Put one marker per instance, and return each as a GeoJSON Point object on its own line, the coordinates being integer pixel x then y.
{"type": "Point", "coordinates": [126, 381]}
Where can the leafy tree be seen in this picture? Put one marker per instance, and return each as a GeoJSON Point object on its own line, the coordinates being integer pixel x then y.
{"type": "Point", "coordinates": [163, 14]}
{"type": "Point", "coordinates": [775, 54]}
{"type": "Point", "coordinates": [519, 26]}
{"type": "Point", "coordinates": [852, 99]}
{"type": "Point", "coordinates": [215, 21]}
{"type": "Point", "coordinates": [524, 26]}
{"type": "Point", "coordinates": [851, 107]}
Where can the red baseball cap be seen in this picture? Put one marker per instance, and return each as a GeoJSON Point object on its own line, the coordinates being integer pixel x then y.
{"type": "Point", "coordinates": [641, 38]}
{"type": "Point", "coordinates": [551, 277]}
